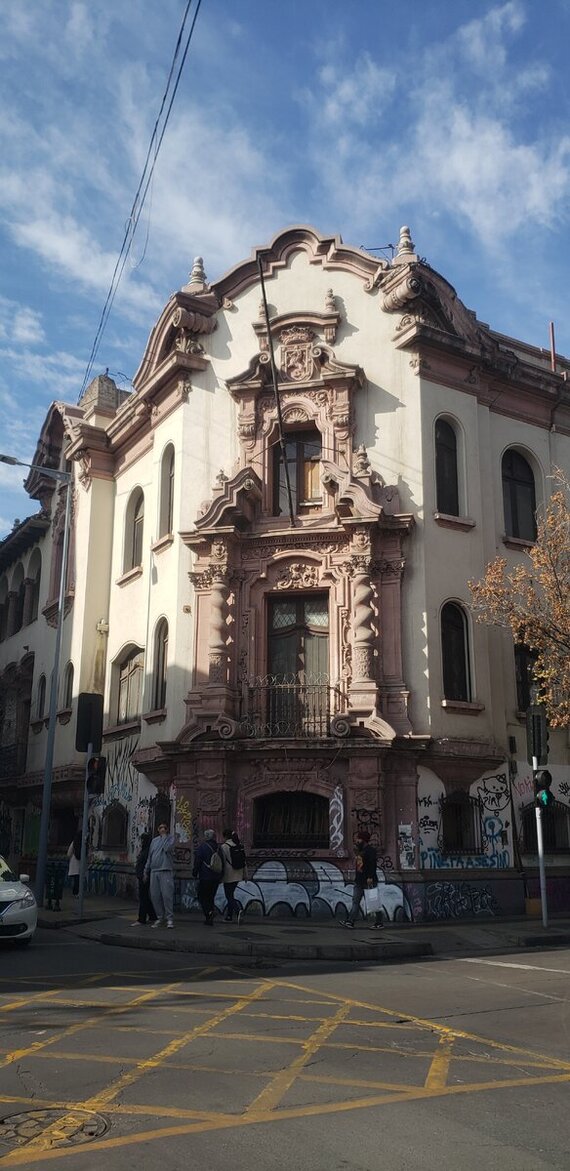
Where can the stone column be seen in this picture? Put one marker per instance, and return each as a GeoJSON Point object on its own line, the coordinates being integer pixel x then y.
{"type": "Point", "coordinates": [12, 597]}
{"type": "Point", "coordinates": [363, 690]}
{"type": "Point", "coordinates": [393, 691]}
{"type": "Point", "coordinates": [217, 647]}
{"type": "Point", "coordinates": [28, 600]}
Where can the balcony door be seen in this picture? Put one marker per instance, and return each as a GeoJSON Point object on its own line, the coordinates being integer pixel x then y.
{"type": "Point", "coordinates": [298, 664]}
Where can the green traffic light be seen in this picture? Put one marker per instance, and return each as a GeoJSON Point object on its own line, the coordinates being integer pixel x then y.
{"type": "Point", "coordinates": [545, 798]}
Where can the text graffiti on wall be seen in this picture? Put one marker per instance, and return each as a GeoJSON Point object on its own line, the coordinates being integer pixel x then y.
{"type": "Point", "coordinates": [459, 900]}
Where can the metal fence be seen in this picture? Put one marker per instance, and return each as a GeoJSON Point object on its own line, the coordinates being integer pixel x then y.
{"type": "Point", "coordinates": [290, 706]}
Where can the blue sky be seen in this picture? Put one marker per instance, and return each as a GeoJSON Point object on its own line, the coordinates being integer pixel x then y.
{"type": "Point", "coordinates": [354, 116]}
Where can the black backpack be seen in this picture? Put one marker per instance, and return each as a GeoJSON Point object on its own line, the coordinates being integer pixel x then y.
{"type": "Point", "coordinates": [237, 856]}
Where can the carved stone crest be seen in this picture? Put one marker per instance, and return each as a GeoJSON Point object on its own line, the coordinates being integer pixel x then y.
{"type": "Point", "coordinates": [296, 353]}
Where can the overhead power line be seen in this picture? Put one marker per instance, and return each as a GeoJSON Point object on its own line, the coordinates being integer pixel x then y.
{"type": "Point", "coordinates": [154, 146]}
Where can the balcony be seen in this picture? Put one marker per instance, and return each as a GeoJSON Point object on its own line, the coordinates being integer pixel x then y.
{"type": "Point", "coordinates": [12, 761]}
{"type": "Point", "coordinates": [296, 707]}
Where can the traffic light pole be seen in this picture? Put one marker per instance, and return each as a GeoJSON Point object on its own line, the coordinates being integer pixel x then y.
{"type": "Point", "coordinates": [540, 847]}
{"type": "Point", "coordinates": [85, 827]}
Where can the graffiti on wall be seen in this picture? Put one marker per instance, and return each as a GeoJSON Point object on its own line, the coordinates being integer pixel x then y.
{"type": "Point", "coordinates": [492, 793]}
{"type": "Point", "coordinates": [406, 847]}
{"type": "Point", "coordinates": [302, 888]}
{"type": "Point", "coordinates": [367, 820]}
{"type": "Point", "coordinates": [336, 821]}
{"type": "Point", "coordinates": [459, 900]}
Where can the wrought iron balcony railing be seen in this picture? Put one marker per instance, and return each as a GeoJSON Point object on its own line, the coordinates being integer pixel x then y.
{"type": "Point", "coordinates": [291, 706]}
{"type": "Point", "coordinates": [12, 761]}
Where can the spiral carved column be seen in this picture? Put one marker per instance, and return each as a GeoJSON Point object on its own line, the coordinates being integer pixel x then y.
{"type": "Point", "coordinates": [217, 648]}
{"type": "Point", "coordinates": [363, 634]}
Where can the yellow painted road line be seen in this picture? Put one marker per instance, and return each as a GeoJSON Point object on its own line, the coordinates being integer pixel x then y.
{"type": "Point", "coordinates": [36, 997]}
{"type": "Point", "coordinates": [57, 1130]}
{"type": "Point", "coordinates": [26, 1155]}
{"type": "Point", "coordinates": [438, 1071]}
{"type": "Point", "coordinates": [552, 1062]}
{"type": "Point", "coordinates": [269, 1098]}
{"type": "Point", "coordinates": [101, 1099]}
{"type": "Point", "coordinates": [71, 1030]}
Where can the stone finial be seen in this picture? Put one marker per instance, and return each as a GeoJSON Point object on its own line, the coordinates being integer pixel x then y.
{"type": "Point", "coordinates": [330, 304]}
{"type": "Point", "coordinates": [406, 245]}
{"type": "Point", "coordinates": [361, 461]}
{"type": "Point", "coordinates": [221, 479]}
{"type": "Point", "coordinates": [197, 281]}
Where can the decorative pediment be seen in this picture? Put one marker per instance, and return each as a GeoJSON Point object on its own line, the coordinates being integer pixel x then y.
{"type": "Point", "coordinates": [235, 503]}
{"type": "Point", "coordinates": [299, 360]}
{"type": "Point", "coordinates": [428, 300]}
{"type": "Point", "coordinates": [177, 339]}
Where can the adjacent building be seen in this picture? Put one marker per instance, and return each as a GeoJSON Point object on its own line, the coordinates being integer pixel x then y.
{"type": "Point", "coordinates": [270, 590]}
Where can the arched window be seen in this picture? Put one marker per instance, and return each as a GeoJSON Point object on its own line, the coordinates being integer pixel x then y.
{"type": "Point", "coordinates": [455, 653]}
{"type": "Point", "coordinates": [519, 497]}
{"type": "Point", "coordinates": [67, 688]}
{"type": "Point", "coordinates": [160, 668]}
{"type": "Point", "coordinates": [18, 590]}
{"type": "Point", "coordinates": [114, 828]}
{"type": "Point", "coordinates": [303, 455]}
{"type": "Point", "coordinates": [166, 509]}
{"type": "Point", "coordinates": [447, 485]}
{"type": "Point", "coordinates": [41, 698]}
{"type": "Point", "coordinates": [35, 574]}
{"type": "Point", "coordinates": [134, 527]}
{"type": "Point", "coordinates": [130, 686]}
{"type": "Point", "coordinates": [291, 820]}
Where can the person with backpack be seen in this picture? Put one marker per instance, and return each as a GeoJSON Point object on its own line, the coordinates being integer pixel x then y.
{"type": "Point", "coordinates": [208, 869]}
{"type": "Point", "coordinates": [365, 878]}
{"type": "Point", "coordinates": [234, 860]}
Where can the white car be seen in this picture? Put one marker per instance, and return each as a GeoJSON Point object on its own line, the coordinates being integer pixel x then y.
{"type": "Point", "coordinates": [18, 907]}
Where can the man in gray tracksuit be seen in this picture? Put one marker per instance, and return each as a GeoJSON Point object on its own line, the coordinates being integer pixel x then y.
{"type": "Point", "coordinates": [160, 867]}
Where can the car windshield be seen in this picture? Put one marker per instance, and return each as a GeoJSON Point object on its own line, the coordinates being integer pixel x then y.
{"type": "Point", "coordinates": [5, 872]}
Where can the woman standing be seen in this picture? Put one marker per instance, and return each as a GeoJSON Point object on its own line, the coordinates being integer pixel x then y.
{"type": "Point", "coordinates": [233, 857]}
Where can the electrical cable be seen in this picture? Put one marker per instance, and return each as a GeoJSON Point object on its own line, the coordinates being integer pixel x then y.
{"type": "Point", "coordinates": [144, 183]}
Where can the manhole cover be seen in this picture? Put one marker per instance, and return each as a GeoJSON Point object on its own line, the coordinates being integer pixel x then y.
{"type": "Point", "coordinates": [54, 1128]}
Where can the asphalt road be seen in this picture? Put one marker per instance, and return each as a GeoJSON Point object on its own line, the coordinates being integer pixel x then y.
{"type": "Point", "coordinates": [116, 1059]}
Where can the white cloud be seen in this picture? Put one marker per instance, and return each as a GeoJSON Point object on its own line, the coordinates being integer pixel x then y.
{"type": "Point", "coordinates": [356, 96]}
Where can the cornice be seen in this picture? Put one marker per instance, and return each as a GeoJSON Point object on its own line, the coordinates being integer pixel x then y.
{"type": "Point", "coordinates": [327, 251]}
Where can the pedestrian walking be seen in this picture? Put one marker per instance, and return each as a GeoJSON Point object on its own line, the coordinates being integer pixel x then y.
{"type": "Point", "coordinates": [234, 860]}
{"type": "Point", "coordinates": [208, 869]}
{"type": "Point", "coordinates": [365, 877]}
{"type": "Point", "coordinates": [147, 912]}
{"type": "Point", "coordinates": [74, 868]}
{"type": "Point", "coordinates": [159, 867]}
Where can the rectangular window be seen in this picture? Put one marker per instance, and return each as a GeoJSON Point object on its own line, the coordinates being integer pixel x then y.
{"type": "Point", "coordinates": [303, 451]}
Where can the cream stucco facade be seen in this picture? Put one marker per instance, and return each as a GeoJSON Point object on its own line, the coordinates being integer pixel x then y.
{"type": "Point", "coordinates": [297, 677]}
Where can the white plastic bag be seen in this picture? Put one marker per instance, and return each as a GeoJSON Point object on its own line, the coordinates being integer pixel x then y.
{"type": "Point", "coordinates": [372, 902]}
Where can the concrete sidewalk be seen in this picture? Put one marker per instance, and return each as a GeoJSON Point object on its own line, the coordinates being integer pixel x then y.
{"type": "Point", "coordinates": [110, 921]}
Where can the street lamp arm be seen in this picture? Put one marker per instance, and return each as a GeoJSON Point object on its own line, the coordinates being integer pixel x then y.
{"type": "Point", "coordinates": [55, 473]}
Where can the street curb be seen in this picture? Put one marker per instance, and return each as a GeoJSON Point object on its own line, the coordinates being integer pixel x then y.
{"type": "Point", "coordinates": [524, 941]}
{"type": "Point", "coordinates": [380, 951]}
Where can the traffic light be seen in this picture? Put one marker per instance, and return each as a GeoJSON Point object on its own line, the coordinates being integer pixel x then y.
{"type": "Point", "coordinates": [96, 769]}
{"type": "Point", "coordinates": [542, 782]}
{"type": "Point", "coordinates": [537, 734]}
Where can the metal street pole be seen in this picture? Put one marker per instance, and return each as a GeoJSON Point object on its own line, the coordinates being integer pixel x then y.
{"type": "Point", "coordinates": [84, 828]}
{"type": "Point", "coordinates": [540, 849]}
{"type": "Point", "coordinates": [66, 478]}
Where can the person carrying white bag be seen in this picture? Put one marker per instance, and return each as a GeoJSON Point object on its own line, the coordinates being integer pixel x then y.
{"type": "Point", "coordinates": [365, 881]}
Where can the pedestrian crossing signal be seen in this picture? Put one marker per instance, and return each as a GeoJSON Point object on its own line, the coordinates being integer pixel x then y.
{"type": "Point", "coordinates": [542, 783]}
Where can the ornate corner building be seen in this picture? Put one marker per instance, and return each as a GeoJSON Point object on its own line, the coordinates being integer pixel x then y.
{"type": "Point", "coordinates": [273, 591]}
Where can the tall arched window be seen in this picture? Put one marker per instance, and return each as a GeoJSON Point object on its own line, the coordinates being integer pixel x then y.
{"type": "Point", "coordinates": [134, 527]}
{"type": "Point", "coordinates": [166, 509]}
{"type": "Point", "coordinates": [130, 686]}
{"type": "Point", "coordinates": [67, 688]}
{"type": "Point", "coordinates": [519, 497]}
{"type": "Point", "coordinates": [160, 667]}
{"type": "Point", "coordinates": [18, 590]}
{"type": "Point", "coordinates": [3, 608]}
{"type": "Point", "coordinates": [35, 574]}
{"type": "Point", "coordinates": [447, 485]}
{"type": "Point", "coordinates": [41, 698]}
{"type": "Point", "coordinates": [455, 653]}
